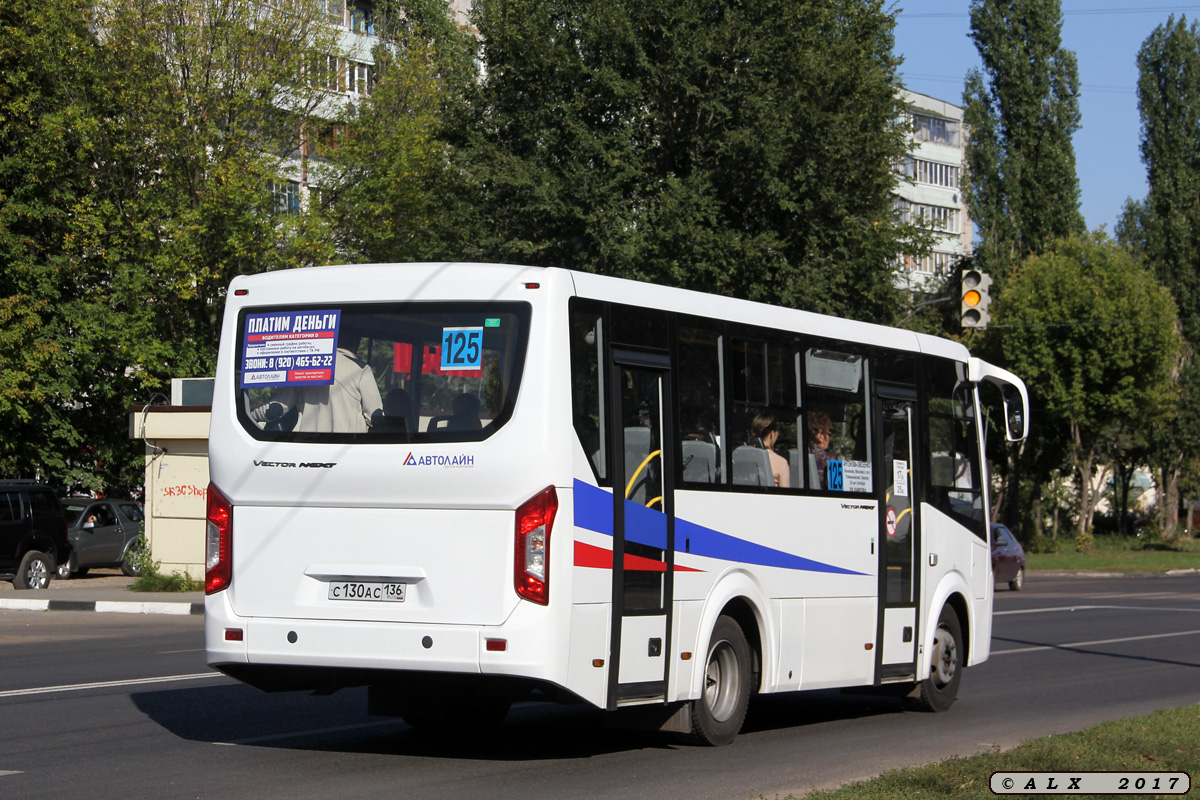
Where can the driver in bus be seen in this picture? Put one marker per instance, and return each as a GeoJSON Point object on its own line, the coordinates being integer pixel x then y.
{"type": "Point", "coordinates": [351, 405]}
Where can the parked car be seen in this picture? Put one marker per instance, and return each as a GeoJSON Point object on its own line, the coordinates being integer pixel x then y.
{"type": "Point", "coordinates": [101, 533]}
{"type": "Point", "coordinates": [1008, 558]}
{"type": "Point", "coordinates": [33, 534]}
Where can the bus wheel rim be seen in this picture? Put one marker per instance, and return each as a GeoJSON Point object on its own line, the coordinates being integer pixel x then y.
{"type": "Point", "coordinates": [945, 657]}
{"type": "Point", "coordinates": [722, 681]}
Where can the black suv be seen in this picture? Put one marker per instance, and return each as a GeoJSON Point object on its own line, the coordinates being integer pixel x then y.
{"type": "Point", "coordinates": [33, 533]}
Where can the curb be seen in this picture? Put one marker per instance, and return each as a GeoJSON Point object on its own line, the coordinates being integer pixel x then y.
{"type": "Point", "coordinates": [104, 606]}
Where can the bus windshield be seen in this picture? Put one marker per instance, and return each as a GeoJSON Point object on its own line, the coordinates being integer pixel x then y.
{"type": "Point", "coordinates": [399, 372]}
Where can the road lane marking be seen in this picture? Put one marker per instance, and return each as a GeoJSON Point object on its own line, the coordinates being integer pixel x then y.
{"type": "Point", "coordinates": [4, 773]}
{"type": "Point", "coordinates": [1073, 645]}
{"type": "Point", "coordinates": [1089, 608]}
{"type": "Point", "coordinates": [79, 687]}
{"type": "Point", "coordinates": [311, 732]}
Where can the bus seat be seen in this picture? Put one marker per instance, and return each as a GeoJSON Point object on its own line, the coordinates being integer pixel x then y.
{"type": "Point", "coordinates": [752, 467]}
{"type": "Point", "coordinates": [796, 467]}
{"type": "Point", "coordinates": [699, 461]}
{"type": "Point", "coordinates": [814, 478]}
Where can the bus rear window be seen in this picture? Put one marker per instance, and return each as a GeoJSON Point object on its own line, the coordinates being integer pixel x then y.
{"type": "Point", "coordinates": [414, 372]}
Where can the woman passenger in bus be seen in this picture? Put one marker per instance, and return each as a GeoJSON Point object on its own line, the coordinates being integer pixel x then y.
{"type": "Point", "coordinates": [765, 428]}
{"type": "Point", "coordinates": [819, 424]}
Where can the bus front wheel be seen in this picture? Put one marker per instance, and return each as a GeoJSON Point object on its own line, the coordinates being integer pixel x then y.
{"type": "Point", "coordinates": [718, 714]}
{"type": "Point", "coordinates": [939, 690]}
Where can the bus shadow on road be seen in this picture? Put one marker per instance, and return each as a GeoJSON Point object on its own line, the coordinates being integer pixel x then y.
{"type": "Point", "coordinates": [239, 716]}
{"type": "Point", "coordinates": [235, 715]}
{"type": "Point", "coordinates": [803, 709]}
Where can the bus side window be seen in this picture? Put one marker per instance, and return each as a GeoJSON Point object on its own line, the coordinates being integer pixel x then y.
{"type": "Point", "coordinates": [700, 403]}
{"type": "Point", "coordinates": [955, 486]}
{"type": "Point", "coordinates": [837, 419]}
{"type": "Point", "coordinates": [763, 423]}
{"type": "Point", "coordinates": [587, 385]}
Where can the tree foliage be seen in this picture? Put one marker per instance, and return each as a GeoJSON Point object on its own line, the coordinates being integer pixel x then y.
{"type": "Point", "coordinates": [47, 140]}
{"type": "Point", "coordinates": [745, 149]}
{"type": "Point", "coordinates": [143, 148]}
{"type": "Point", "coordinates": [1165, 227]}
{"type": "Point", "coordinates": [1022, 109]}
{"type": "Point", "coordinates": [1093, 336]}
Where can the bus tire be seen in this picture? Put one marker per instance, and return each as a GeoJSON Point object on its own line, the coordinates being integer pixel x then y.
{"type": "Point", "coordinates": [718, 713]}
{"type": "Point", "coordinates": [939, 690]}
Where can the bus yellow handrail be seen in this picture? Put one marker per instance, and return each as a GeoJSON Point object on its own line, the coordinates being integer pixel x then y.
{"type": "Point", "coordinates": [638, 471]}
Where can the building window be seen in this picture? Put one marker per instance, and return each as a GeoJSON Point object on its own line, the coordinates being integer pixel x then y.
{"type": "Point", "coordinates": [933, 264]}
{"type": "Point", "coordinates": [332, 10]}
{"type": "Point", "coordinates": [935, 218]}
{"type": "Point", "coordinates": [362, 17]}
{"type": "Point", "coordinates": [359, 78]}
{"type": "Point", "coordinates": [932, 172]}
{"type": "Point", "coordinates": [937, 130]}
{"type": "Point", "coordinates": [326, 72]}
{"type": "Point", "coordinates": [285, 197]}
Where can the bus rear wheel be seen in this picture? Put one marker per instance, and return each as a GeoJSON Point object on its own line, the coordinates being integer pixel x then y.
{"type": "Point", "coordinates": [718, 714]}
{"type": "Point", "coordinates": [939, 690]}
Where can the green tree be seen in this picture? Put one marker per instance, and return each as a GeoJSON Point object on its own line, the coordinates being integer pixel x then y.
{"type": "Point", "coordinates": [745, 149]}
{"type": "Point", "coordinates": [1022, 109]}
{"type": "Point", "coordinates": [149, 153]}
{"type": "Point", "coordinates": [47, 142]}
{"type": "Point", "coordinates": [1165, 227]}
{"type": "Point", "coordinates": [1093, 336]}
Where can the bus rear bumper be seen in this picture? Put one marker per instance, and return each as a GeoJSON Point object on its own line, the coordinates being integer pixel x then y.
{"type": "Point", "coordinates": [327, 654]}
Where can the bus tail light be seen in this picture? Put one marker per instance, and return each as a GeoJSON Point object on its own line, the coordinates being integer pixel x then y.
{"type": "Point", "coordinates": [535, 519]}
{"type": "Point", "coordinates": [218, 561]}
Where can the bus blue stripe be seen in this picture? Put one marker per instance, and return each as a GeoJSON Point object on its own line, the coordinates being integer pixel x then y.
{"type": "Point", "coordinates": [594, 511]}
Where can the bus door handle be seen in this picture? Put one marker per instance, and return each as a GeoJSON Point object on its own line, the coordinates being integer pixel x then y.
{"type": "Point", "coordinates": [933, 559]}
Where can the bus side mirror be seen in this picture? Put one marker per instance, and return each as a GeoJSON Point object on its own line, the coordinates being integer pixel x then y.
{"type": "Point", "coordinates": [1015, 413]}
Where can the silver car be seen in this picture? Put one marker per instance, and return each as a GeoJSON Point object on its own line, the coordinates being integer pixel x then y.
{"type": "Point", "coordinates": [101, 533]}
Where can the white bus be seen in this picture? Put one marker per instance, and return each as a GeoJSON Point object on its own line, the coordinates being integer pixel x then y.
{"type": "Point", "coordinates": [463, 485]}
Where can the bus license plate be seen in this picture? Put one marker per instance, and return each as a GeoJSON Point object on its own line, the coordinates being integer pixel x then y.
{"type": "Point", "coordinates": [367, 590]}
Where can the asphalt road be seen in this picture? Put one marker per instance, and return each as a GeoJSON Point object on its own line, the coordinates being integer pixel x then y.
{"type": "Point", "coordinates": [104, 705]}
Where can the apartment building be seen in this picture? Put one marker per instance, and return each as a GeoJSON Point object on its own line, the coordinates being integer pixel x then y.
{"type": "Point", "coordinates": [933, 198]}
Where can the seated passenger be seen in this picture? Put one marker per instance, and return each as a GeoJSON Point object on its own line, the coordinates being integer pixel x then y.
{"type": "Point", "coordinates": [350, 405]}
{"type": "Point", "coordinates": [397, 407]}
{"type": "Point", "coordinates": [466, 414]}
{"type": "Point", "coordinates": [818, 444]}
{"type": "Point", "coordinates": [766, 430]}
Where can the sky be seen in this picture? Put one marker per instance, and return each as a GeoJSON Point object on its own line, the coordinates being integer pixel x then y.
{"type": "Point", "coordinates": [931, 36]}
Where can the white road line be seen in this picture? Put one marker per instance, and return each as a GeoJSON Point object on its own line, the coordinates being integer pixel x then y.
{"type": "Point", "coordinates": [173, 652]}
{"type": "Point", "coordinates": [79, 687]}
{"type": "Point", "coordinates": [4, 773]}
{"type": "Point", "coordinates": [1090, 608]}
{"type": "Point", "coordinates": [312, 732]}
{"type": "Point", "coordinates": [1074, 645]}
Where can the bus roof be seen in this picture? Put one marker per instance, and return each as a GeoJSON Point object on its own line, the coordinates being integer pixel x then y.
{"type": "Point", "coordinates": [486, 280]}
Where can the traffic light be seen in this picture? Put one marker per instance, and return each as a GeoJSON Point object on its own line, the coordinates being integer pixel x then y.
{"type": "Point", "coordinates": [975, 299]}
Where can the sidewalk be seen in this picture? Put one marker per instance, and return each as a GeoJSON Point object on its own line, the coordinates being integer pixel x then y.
{"type": "Point", "coordinates": [99, 590]}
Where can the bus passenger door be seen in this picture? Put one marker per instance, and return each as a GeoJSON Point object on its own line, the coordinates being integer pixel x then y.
{"type": "Point", "coordinates": [898, 536]}
{"type": "Point", "coordinates": [643, 527]}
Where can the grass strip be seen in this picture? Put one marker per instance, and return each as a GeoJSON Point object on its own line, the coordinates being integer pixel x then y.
{"type": "Point", "coordinates": [1167, 741]}
{"type": "Point", "coordinates": [1146, 561]}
